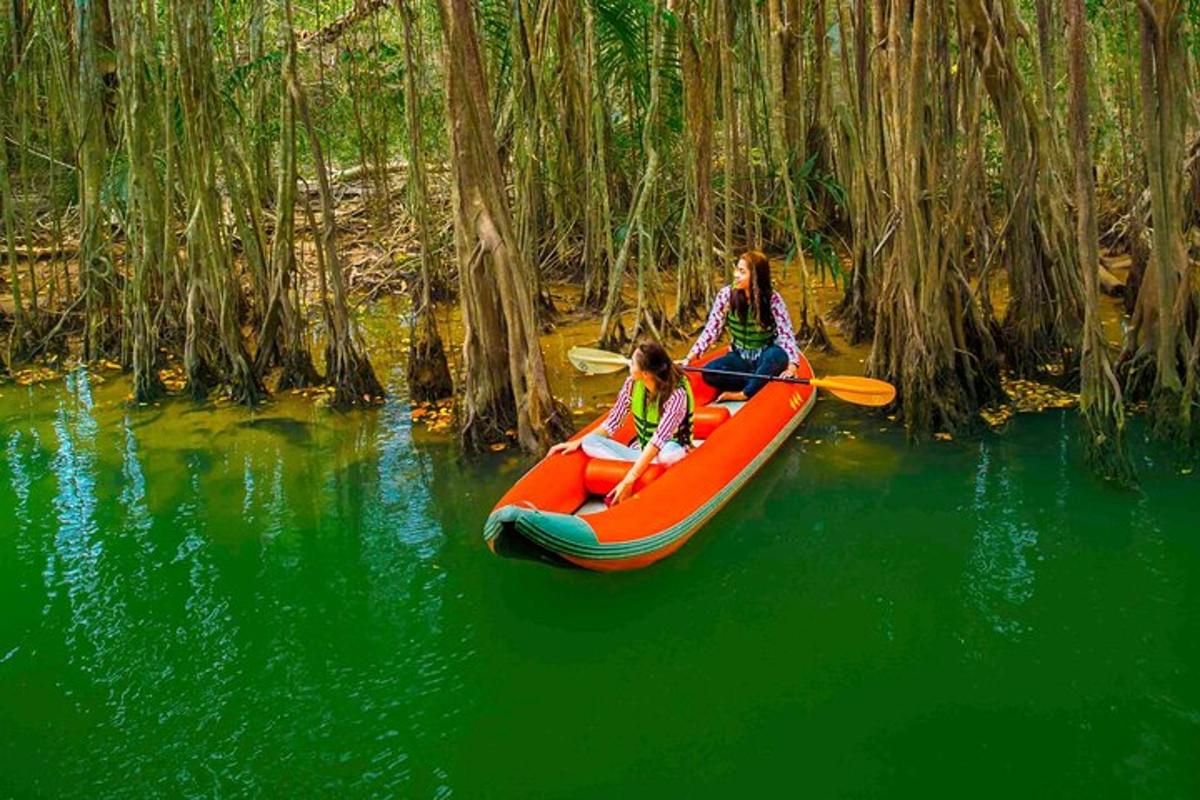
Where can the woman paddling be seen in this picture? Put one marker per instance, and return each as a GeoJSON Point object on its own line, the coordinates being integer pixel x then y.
{"type": "Point", "coordinates": [758, 323]}
{"type": "Point", "coordinates": [660, 399]}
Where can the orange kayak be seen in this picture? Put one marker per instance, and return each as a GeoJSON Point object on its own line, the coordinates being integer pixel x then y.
{"type": "Point", "coordinates": [558, 505]}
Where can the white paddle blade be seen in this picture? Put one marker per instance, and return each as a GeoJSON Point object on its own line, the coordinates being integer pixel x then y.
{"type": "Point", "coordinates": [591, 361]}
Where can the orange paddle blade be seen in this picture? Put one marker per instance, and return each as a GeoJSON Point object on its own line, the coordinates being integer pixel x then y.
{"type": "Point", "coordinates": [861, 391]}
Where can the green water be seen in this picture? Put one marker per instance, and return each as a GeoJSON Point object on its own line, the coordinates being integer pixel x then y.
{"type": "Point", "coordinates": [293, 603]}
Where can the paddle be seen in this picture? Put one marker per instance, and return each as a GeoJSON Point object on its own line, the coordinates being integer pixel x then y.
{"type": "Point", "coordinates": [851, 388]}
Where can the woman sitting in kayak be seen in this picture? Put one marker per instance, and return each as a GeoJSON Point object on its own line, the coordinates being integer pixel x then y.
{"type": "Point", "coordinates": [660, 398]}
{"type": "Point", "coordinates": [758, 323]}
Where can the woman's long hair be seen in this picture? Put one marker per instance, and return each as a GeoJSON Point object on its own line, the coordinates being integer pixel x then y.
{"type": "Point", "coordinates": [652, 357]}
{"type": "Point", "coordinates": [759, 292]}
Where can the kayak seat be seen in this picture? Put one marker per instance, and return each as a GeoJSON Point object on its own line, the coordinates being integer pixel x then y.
{"type": "Point", "coordinates": [707, 419]}
{"type": "Point", "coordinates": [602, 474]}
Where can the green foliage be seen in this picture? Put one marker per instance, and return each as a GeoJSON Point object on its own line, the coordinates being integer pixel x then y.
{"type": "Point", "coordinates": [820, 248]}
{"type": "Point", "coordinates": [240, 77]}
{"type": "Point", "coordinates": [114, 192]}
{"type": "Point", "coordinates": [811, 184]}
{"type": "Point", "coordinates": [496, 18]}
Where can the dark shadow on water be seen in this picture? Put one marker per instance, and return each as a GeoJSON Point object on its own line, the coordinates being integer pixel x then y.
{"type": "Point", "coordinates": [294, 431]}
{"type": "Point", "coordinates": [143, 416]}
{"type": "Point", "coordinates": [510, 544]}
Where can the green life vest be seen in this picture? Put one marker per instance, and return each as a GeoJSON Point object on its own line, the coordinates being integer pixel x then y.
{"type": "Point", "coordinates": [645, 419]}
{"type": "Point", "coordinates": [747, 334]}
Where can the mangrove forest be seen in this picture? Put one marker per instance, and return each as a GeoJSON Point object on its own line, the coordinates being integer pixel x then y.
{"type": "Point", "coordinates": [207, 193]}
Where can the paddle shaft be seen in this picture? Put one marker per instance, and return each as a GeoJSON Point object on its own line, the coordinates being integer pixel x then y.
{"type": "Point", "coordinates": [857, 390]}
{"type": "Point", "coordinates": [731, 374]}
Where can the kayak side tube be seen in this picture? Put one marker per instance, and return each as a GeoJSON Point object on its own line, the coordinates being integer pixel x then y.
{"type": "Point", "coordinates": [573, 537]}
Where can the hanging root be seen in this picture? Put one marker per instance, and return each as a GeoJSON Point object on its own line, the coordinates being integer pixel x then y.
{"type": "Point", "coordinates": [813, 336]}
{"type": "Point", "coordinates": [147, 385]}
{"type": "Point", "coordinates": [855, 319]}
{"type": "Point", "coordinates": [486, 426]}
{"type": "Point", "coordinates": [298, 371]}
{"type": "Point", "coordinates": [245, 388]}
{"type": "Point", "coordinates": [1163, 410]}
{"type": "Point", "coordinates": [352, 378]}
{"type": "Point", "coordinates": [1105, 445]}
{"type": "Point", "coordinates": [428, 372]}
{"type": "Point", "coordinates": [201, 379]}
{"type": "Point", "coordinates": [547, 425]}
{"type": "Point", "coordinates": [656, 321]}
{"type": "Point", "coordinates": [617, 339]}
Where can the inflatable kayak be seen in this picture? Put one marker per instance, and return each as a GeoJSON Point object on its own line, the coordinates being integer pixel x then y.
{"type": "Point", "coordinates": [558, 505]}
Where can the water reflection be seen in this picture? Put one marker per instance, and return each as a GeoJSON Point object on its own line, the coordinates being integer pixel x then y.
{"type": "Point", "coordinates": [222, 604]}
{"type": "Point", "coordinates": [999, 578]}
{"type": "Point", "coordinates": [23, 457]}
{"type": "Point", "coordinates": [75, 564]}
{"type": "Point", "coordinates": [19, 478]}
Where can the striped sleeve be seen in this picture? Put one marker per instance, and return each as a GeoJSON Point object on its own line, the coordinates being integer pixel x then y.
{"type": "Point", "coordinates": [785, 337]}
{"type": "Point", "coordinates": [673, 413]}
{"type": "Point", "coordinates": [715, 324]}
{"type": "Point", "coordinates": [615, 417]}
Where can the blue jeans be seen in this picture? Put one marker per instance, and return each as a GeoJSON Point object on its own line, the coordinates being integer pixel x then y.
{"type": "Point", "coordinates": [770, 362]}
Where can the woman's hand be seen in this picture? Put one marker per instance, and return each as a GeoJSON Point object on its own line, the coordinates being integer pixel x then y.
{"type": "Point", "coordinates": [624, 489]}
{"type": "Point", "coordinates": [620, 492]}
{"type": "Point", "coordinates": [791, 371]}
{"type": "Point", "coordinates": [566, 447]}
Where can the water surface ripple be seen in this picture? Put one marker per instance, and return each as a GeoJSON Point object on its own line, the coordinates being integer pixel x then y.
{"type": "Point", "coordinates": [204, 601]}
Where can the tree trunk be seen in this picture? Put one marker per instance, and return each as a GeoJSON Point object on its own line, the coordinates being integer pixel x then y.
{"type": "Point", "coordinates": [1100, 399]}
{"type": "Point", "coordinates": [347, 368]}
{"type": "Point", "coordinates": [281, 338]}
{"type": "Point", "coordinates": [568, 191]}
{"type": "Point", "coordinates": [598, 237]}
{"type": "Point", "coordinates": [929, 337]}
{"type": "Point", "coordinates": [856, 313]}
{"type": "Point", "coordinates": [1162, 344]}
{"type": "Point", "coordinates": [428, 370]}
{"type": "Point", "coordinates": [95, 261]}
{"type": "Point", "coordinates": [648, 312]}
{"type": "Point", "coordinates": [213, 288]}
{"type": "Point", "coordinates": [729, 149]}
{"type": "Point", "coordinates": [696, 62]}
{"type": "Point", "coordinates": [489, 256]}
{"type": "Point", "coordinates": [1044, 315]}
{"type": "Point", "coordinates": [17, 346]}
{"type": "Point", "coordinates": [145, 213]}
{"type": "Point", "coordinates": [529, 197]}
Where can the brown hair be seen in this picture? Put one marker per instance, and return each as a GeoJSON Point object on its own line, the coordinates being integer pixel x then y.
{"type": "Point", "coordinates": [652, 357]}
{"type": "Point", "coordinates": [759, 291]}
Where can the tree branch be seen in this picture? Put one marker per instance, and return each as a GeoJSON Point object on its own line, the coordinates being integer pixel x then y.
{"type": "Point", "coordinates": [361, 11]}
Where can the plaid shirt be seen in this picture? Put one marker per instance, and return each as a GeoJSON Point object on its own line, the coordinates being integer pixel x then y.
{"type": "Point", "coordinates": [784, 336]}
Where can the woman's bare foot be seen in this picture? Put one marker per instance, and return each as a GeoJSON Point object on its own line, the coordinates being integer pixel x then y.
{"type": "Point", "coordinates": [734, 396]}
